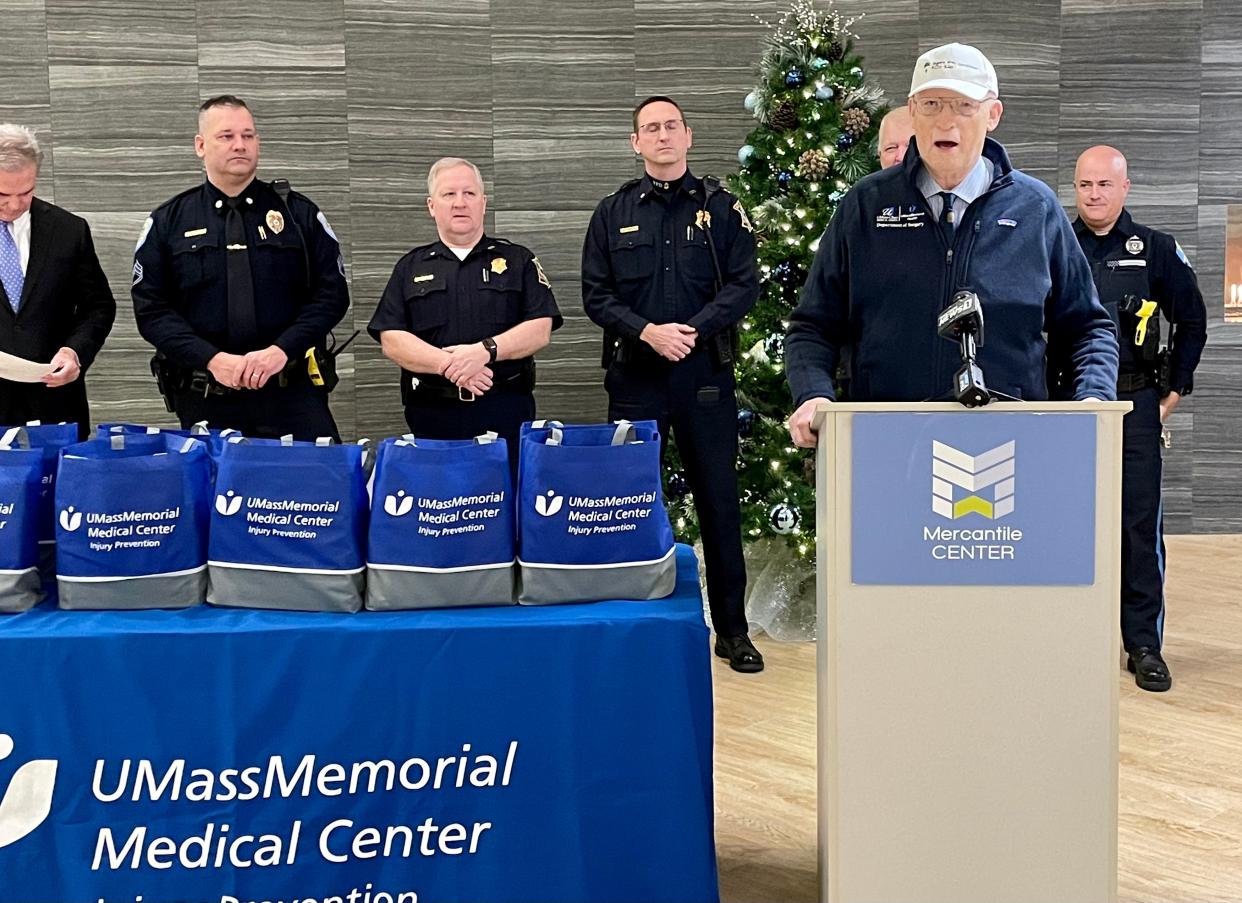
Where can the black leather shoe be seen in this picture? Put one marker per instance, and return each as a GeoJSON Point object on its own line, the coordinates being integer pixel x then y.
{"type": "Point", "coordinates": [741, 653]}
{"type": "Point", "coordinates": [1149, 670]}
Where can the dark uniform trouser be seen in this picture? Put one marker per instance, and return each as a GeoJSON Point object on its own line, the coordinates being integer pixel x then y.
{"type": "Point", "coordinates": [698, 402]}
{"type": "Point", "coordinates": [267, 413]}
{"type": "Point", "coordinates": [502, 413]}
{"type": "Point", "coordinates": [1142, 533]}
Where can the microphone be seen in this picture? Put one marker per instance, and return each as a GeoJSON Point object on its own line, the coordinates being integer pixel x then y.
{"type": "Point", "coordinates": [962, 321]}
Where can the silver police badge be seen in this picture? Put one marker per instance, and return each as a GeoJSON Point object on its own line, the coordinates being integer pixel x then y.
{"type": "Point", "coordinates": [1134, 244]}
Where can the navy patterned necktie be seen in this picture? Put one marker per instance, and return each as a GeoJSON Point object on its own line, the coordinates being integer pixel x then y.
{"type": "Point", "coordinates": [948, 219]}
{"type": "Point", "coordinates": [11, 266]}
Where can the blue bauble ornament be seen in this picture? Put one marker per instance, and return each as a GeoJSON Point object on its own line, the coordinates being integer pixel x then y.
{"type": "Point", "coordinates": [751, 101]}
{"type": "Point", "coordinates": [835, 196]}
{"type": "Point", "coordinates": [845, 142]}
{"type": "Point", "coordinates": [793, 78]}
{"type": "Point", "coordinates": [824, 93]}
{"type": "Point", "coordinates": [744, 153]}
{"type": "Point", "coordinates": [784, 179]}
{"type": "Point", "coordinates": [818, 63]}
{"type": "Point", "coordinates": [745, 423]}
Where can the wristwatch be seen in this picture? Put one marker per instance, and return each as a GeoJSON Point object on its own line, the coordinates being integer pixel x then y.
{"type": "Point", "coordinates": [490, 345]}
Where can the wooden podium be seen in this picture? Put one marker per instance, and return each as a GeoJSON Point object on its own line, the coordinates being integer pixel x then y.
{"type": "Point", "coordinates": [968, 587]}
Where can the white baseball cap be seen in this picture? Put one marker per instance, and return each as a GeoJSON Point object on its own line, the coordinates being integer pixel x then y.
{"type": "Point", "coordinates": [955, 67]}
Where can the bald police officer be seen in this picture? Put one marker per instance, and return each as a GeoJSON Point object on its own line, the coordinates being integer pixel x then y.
{"type": "Point", "coordinates": [1140, 274]}
{"type": "Point", "coordinates": [235, 283]}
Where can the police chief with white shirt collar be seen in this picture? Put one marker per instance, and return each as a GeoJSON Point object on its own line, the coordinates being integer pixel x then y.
{"type": "Point", "coordinates": [463, 317]}
{"type": "Point", "coordinates": [895, 254]}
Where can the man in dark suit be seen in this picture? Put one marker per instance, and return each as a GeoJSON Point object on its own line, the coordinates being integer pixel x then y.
{"type": "Point", "coordinates": [55, 303]}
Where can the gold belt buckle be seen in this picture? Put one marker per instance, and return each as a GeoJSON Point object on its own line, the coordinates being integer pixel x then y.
{"type": "Point", "coordinates": [464, 394]}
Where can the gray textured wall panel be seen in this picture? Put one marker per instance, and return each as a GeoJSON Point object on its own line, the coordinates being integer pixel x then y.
{"type": "Point", "coordinates": [355, 99]}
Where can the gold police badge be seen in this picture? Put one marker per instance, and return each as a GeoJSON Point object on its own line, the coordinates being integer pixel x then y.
{"type": "Point", "coordinates": [703, 219]}
{"type": "Point", "coordinates": [499, 265]}
{"type": "Point", "coordinates": [275, 221]}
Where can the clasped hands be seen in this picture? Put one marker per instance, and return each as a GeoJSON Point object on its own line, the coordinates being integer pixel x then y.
{"type": "Point", "coordinates": [466, 366]}
{"type": "Point", "coordinates": [251, 370]}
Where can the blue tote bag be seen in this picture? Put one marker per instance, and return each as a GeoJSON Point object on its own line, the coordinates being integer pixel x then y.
{"type": "Point", "coordinates": [21, 484]}
{"type": "Point", "coordinates": [289, 525]}
{"type": "Point", "coordinates": [442, 530]}
{"type": "Point", "coordinates": [131, 524]}
{"type": "Point", "coordinates": [591, 519]}
{"type": "Point", "coordinates": [50, 438]}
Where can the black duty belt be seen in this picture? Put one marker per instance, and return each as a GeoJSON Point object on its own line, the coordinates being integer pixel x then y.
{"type": "Point", "coordinates": [1133, 382]}
{"type": "Point", "coordinates": [436, 390]}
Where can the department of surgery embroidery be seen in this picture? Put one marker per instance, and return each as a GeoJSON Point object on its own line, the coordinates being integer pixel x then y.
{"type": "Point", "coordinates": [893, 218]}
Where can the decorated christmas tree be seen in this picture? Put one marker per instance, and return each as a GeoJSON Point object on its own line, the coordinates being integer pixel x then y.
{"type": "Point", "coordinates": [818, 121]}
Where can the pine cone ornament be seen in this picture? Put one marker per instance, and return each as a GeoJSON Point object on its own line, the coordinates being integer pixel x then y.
{"type": "Point", "coordinates": [784, 116]}
{"type": "Point", "coordinates": [835, 51]}
{"type": "Point", "coordinates": [813, 164]}
{"type": "Point", "coordinates": [855, 120]}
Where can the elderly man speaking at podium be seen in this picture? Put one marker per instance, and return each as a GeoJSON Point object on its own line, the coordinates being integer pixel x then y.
{"type": "Point", "coordinates": [905, 242]}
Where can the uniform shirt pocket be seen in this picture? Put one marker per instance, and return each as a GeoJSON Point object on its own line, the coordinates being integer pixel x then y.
{"type": "Point", "coordinates": [280, 258]}
{"type": "Point", "coordinates": [501, 302]}
{"type": "Point", "coordinates": [426, 307]}
{"type": "Point", "coordinates": [192, 262]}
{"type": "Point", "coordinates": [695, 258]}
{"type": "Point", "coordinates": [633, 256]}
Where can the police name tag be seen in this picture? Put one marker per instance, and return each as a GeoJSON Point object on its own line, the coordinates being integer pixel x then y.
{"type": "Point", "coordinates": [624, 229]}
{"type": "Point", "coordinates": [426, 277]}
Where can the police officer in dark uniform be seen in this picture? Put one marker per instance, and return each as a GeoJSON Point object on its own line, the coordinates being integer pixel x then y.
{"type": "Point", "coordinates": [463, 318]}
{"type": "Point", "coordinates": [237, 284]}
{"type": "Point", "coordinates": [668, 269]}
{"type": "Point", "coordinates": [1140, 274]}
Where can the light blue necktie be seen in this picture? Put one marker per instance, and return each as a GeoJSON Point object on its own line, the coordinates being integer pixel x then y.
{"type": "Point", "coordinates": [11, 266]}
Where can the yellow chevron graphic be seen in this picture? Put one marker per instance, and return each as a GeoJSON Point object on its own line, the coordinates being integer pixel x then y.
{"type": "Point", "coordinates": [972, 503]}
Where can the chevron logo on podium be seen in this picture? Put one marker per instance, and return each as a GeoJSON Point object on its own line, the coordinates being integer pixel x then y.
{"type": "Point", "coordinates": [981, 484]}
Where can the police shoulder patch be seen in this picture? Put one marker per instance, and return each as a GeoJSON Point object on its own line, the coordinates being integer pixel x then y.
{"type": "Point", "coordinates": [540, 274]}
{"type": "Point", "coordinates": [323, 221]}
{"type": "Point", "coordinates": [142, 236]}
{"type": "Point", "coordinates": [741, 211]}
{"type": "Point", "coordinates": [1181, 255]}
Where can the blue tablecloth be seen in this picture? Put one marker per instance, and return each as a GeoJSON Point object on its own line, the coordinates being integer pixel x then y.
{"type": "Point", "coordinates": [534, 754]}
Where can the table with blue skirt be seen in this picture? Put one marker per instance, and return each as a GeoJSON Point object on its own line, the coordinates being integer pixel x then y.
{"type": "Point", "coordinates": [559, 753]}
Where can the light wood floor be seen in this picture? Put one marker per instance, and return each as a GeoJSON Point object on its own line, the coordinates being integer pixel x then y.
{"type": "Point", "coordinates": [1180, 833]}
